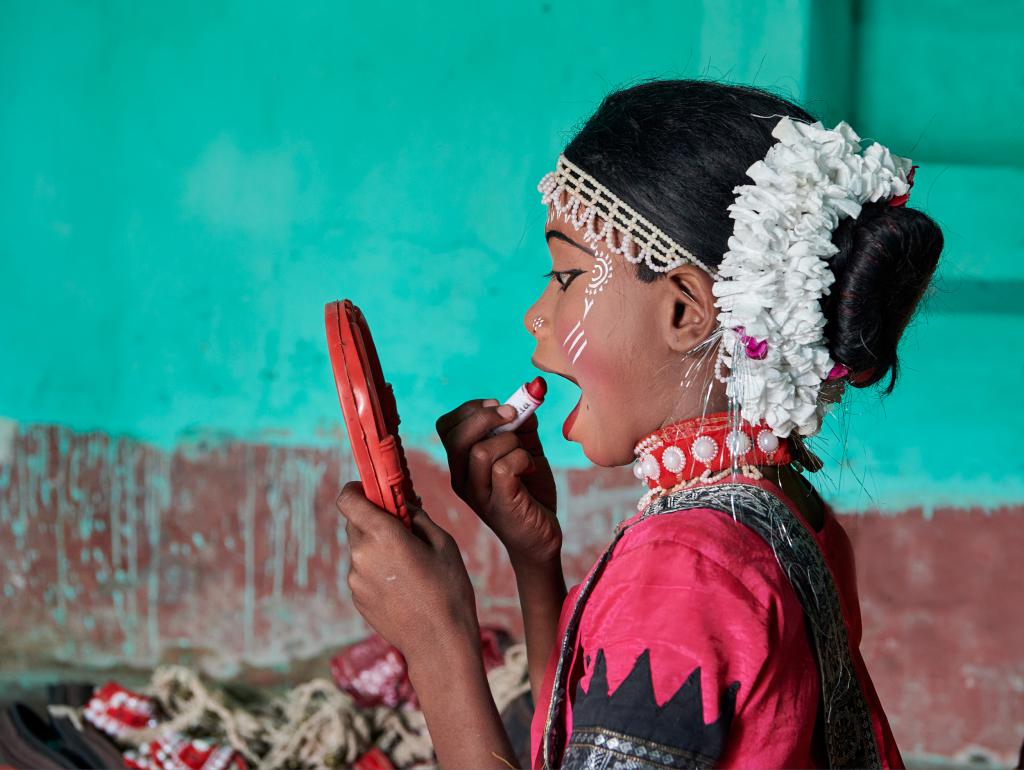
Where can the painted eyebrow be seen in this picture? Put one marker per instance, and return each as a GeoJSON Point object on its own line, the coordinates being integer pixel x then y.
{"type": "Point", "coordinates": [559, 235]}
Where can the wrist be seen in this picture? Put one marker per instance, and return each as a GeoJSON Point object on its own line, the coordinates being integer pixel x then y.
{"type": "Point", "coordinates": [454, 695]}
{"type": "Point", "coordinates": [545, 560]}
{"type": "Point", "coordinates": [447, 661]}
{"type": "Point", "coordinates": [536, 555]}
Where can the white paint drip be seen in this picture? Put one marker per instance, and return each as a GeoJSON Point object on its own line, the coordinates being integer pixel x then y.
{"type": "Point", "coordinates": [247, 516]}
{"type": "Point", "coordinates": [8, 432]}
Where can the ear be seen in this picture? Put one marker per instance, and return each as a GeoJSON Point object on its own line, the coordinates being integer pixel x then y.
{"type": "Point", "coordinates": [686, 308]}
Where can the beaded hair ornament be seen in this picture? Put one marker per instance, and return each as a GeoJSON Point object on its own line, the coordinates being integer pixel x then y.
{"type": "Point", "coordinates": [770, 282]}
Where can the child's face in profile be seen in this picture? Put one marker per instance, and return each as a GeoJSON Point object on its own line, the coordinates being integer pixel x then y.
{"type": "Point", "coordinates": [602, 329]}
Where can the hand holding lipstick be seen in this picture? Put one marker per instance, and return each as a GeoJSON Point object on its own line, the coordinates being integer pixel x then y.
{"type": "Point", "coordinates": [504, 478]}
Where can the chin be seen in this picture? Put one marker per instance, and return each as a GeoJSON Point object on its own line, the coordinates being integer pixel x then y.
{"type": "Point", "coordinates": [607, 456]}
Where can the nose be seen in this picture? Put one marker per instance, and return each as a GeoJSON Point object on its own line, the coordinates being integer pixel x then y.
{"type": "Point", "coordinates": [537, 319]}
{"type": "Point", "coordinates": [527, 319]}
{"type": "Point", "coordinates": [530, 319]}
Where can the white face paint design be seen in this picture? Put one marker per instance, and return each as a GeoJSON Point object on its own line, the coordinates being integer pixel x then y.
{"type": "Point", "coordinates": [602, 272]}
{"type": "Point", "coordinates": [576, 340]}
{"type": "Point", "coordinates": [587, 304]}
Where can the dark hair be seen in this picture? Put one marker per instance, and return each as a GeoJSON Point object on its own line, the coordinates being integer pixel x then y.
{"type": "Point", "coordinates": [674, 150]}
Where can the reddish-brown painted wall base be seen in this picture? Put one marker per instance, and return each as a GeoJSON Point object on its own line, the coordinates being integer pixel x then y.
{"type": "Point", "coordinates": [228, 555]}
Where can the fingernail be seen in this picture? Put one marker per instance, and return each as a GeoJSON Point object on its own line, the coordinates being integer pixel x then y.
{"type": "Point", "coordinates": [507, 410]}
{"type": "Point", "coordinates": [489, 402]}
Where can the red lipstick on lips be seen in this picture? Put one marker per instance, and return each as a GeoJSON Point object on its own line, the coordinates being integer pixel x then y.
{"type": "Point", "coordinates": [571, 419]}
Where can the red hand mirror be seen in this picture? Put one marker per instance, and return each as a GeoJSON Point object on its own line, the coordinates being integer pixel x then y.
{"type": "Point", "coordinates": [371, 414]}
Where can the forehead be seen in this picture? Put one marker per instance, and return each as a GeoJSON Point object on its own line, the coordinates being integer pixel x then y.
{"type": "Point", "coordinates": [565, 239]}
{"type": "Point", "coordinates": [569, 244]}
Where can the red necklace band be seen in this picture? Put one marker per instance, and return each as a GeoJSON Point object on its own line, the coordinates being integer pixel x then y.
{"type": "Point", "coordinates": [704, 449]}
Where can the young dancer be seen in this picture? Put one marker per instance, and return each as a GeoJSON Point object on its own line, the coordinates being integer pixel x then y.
{"type": "Point", "coordinates": [723, 267]}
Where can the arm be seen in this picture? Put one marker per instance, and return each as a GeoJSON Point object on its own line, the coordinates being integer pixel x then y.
{"type": "Point", "coordinates": [541, 595]}
{"type": "Point", "coordinates": [464, 723]}
{"type": "Point", "coordinates": [412, 587]}
{"type": "Point", "coordinates": [507, 481]}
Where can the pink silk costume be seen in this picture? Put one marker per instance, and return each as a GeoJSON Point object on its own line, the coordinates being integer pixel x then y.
{"type": "Point", "coordinates": [697, 605]}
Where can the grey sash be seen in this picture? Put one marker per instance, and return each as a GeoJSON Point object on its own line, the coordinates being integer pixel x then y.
{"type": "Point", "coordinates": [849, 736]}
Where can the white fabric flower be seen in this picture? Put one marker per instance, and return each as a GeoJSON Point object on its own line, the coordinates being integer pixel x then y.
{"type": "Point", "coordinates": [776, 270]}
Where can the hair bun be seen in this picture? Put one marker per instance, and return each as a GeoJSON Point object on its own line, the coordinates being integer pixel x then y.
{"type": "Point", "coordinates": [886, 258]}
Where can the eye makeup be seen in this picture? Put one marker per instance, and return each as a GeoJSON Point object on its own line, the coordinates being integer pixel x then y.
{"type": "Point", "coordinates": [575, 341]}
{"type": "Point", "coordinates": [559, 275]}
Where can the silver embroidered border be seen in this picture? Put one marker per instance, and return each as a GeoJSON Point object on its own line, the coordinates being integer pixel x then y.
{"type": "Point", "coordinates": [596, 748]}
{"type": "Point", "coordinates": [624, 231]}
{"type": "Point", "coordinates": [849, 734]}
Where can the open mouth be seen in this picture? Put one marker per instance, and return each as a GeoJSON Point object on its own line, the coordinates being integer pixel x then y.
{"type": "Point", "coordinates": [571, 418]}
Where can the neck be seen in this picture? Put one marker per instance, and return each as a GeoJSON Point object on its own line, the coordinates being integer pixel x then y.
{"type": "Point", "coordinates": [706, 449]}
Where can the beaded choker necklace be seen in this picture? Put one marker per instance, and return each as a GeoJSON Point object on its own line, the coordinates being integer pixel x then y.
{"type": "Point", "coordinates": [702, 450]}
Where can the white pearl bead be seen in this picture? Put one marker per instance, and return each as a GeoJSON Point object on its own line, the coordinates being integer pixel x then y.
{"type": "Point", "coordinates": [638, 470]}
{"type": "Point", "coordinates": [704, 449]}
{"type": "Point", "coordinates": [650, 467]}
{"type": "Point", "coordinates": [738, 443]}
{"type": "Point", "coordinates": [767, 441]}
{"type": "Point", "coordinates": [673, 459]}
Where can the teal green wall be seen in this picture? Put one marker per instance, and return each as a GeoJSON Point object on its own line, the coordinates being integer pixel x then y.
{"type": "Point", "coordinates": [182, 187]}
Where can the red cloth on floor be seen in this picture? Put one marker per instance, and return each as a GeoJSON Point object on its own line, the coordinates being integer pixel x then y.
{"type": "Point", "coordinates": [115, 711]}
{"type": "Point", "coordinates": [374, 672]}
{"type": "Point", "coordinates": [374, 759]}
{"type": "Point", "coordinates": [174, 752]}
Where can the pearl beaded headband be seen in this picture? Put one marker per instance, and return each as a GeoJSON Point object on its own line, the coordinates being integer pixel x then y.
{"type": "Point", "coordinates": [569, 188]}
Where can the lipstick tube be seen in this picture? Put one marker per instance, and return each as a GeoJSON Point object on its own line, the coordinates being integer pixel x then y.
{"type": "Point", "coordinates": [525, 400]}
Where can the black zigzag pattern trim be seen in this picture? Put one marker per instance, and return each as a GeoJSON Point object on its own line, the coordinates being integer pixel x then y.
{"type": "Point", "coordinates": [628, 729]}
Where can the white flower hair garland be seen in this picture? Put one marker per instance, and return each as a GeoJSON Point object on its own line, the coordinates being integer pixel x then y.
{"type": "Point", "coordinates": [776, 270]}
{"type": "Point", "coordinates": [771, 280]}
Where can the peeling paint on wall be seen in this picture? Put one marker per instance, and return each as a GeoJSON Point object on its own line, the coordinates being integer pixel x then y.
{"type": "Point", "coordinates": [115, 553]}
{"type": "Point", "coordinates": [8, 432]}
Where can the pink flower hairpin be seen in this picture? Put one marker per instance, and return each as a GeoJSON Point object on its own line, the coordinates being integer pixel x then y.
{"type": "Point", "coordinates": [756, 349]}
{"type": "Point", "coordinates": [901, 200]}
{"type": "Point", "coordinates": [838, 372]}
